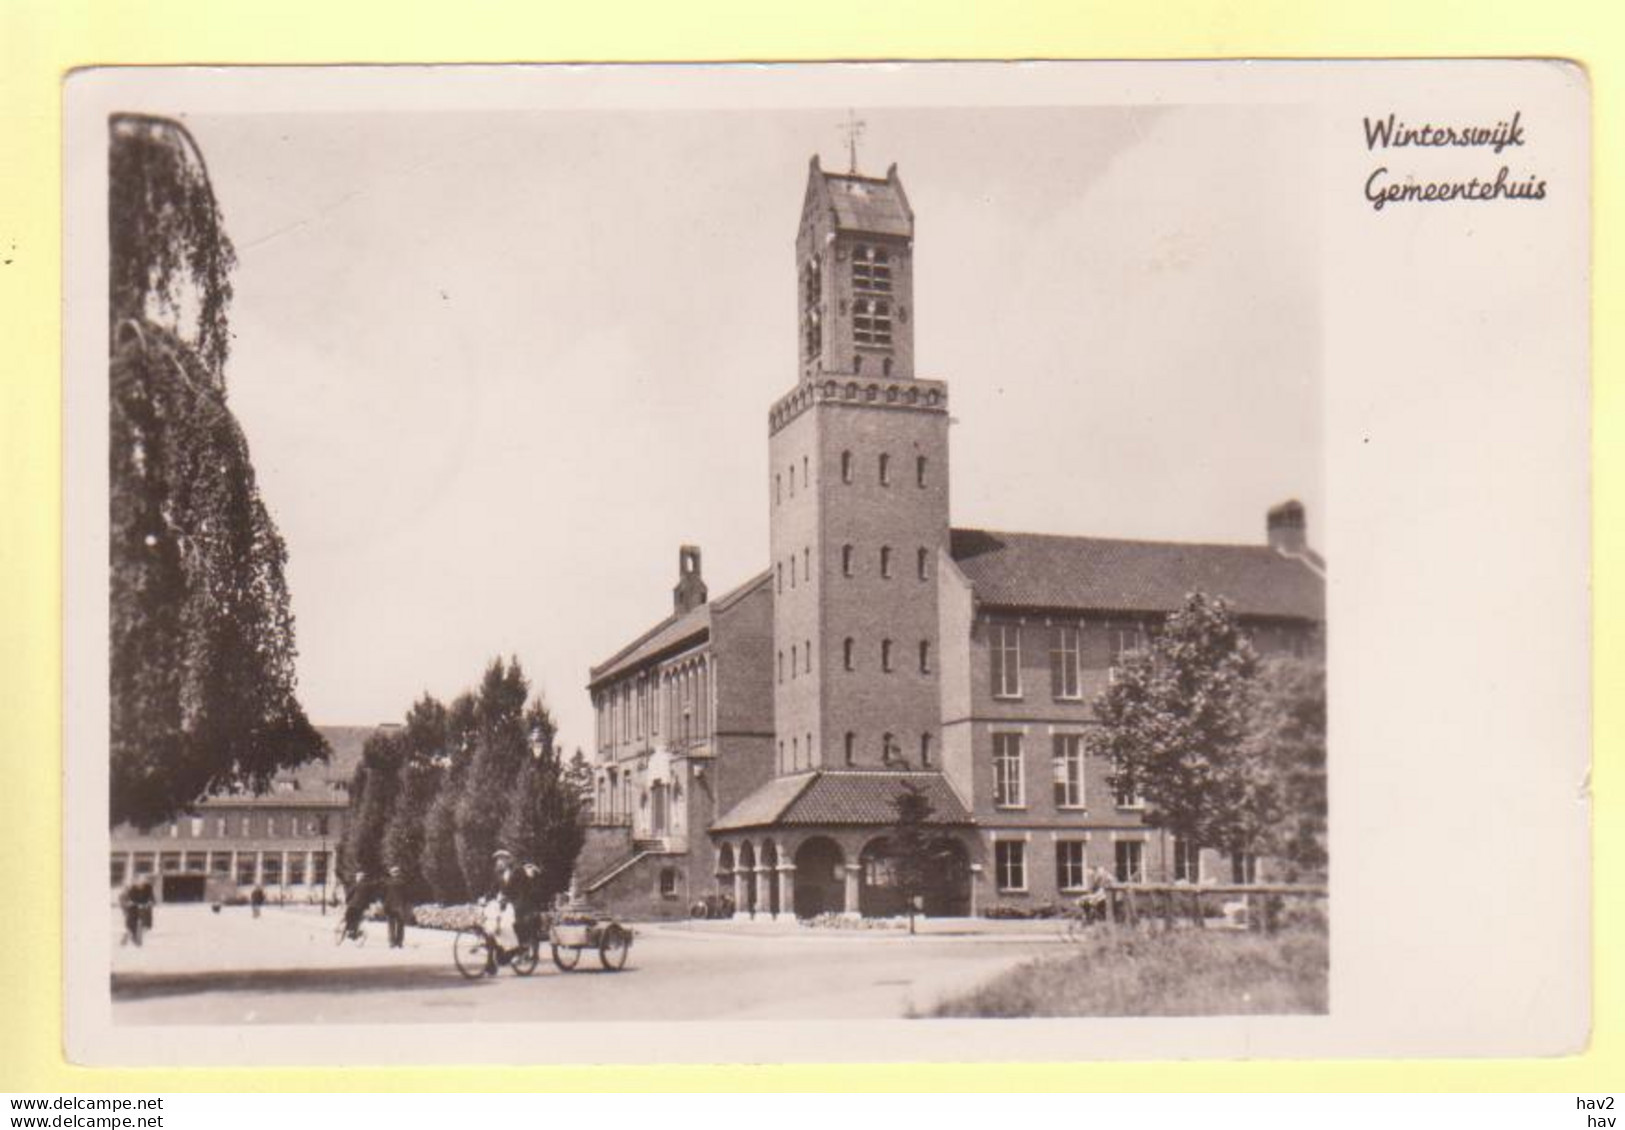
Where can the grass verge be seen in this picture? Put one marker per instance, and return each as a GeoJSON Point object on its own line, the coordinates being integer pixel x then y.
{"type": "Point", "coordinates": [1177, 973]}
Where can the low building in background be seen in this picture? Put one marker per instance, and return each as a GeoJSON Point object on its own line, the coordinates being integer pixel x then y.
{"type": "Point", "coordinates": [284, 841]}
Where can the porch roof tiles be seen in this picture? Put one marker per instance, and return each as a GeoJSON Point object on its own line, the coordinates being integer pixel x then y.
{"type": "Point", "coordinates": [840, 797]}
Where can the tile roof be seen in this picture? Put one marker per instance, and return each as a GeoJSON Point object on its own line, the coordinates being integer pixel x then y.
{"type": "Point", "coordinates": [1049, 571]}
{"type": "Point", "coordinates": [671, 632]}
{"type": "Point", "coordinates": [312, 782]}
{"type": "Point", "coordinates": [858, 796]}
{"type": "Point", "coordinates": [868, 204]}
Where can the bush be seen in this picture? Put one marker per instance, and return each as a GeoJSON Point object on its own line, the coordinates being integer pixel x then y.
{"type": "Point", "coordinates": [1041, 910]}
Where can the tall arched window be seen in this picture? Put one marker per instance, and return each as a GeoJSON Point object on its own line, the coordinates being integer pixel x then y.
{"type": "Point", "coordinates": [781, 666]}
{"type": "Point", "coordinates": [925, 751]}
{"type": "Point", "coordinates": [919, 470]}
{"type": "Point", "coordinates": [925, 657]}
{"type": "Point", "coordinates": [846, 466]}
{"type": "Point", "coordinates": [780, 568]}
{"type": "Point", "coordinates": [806, 658]}
{"type": "Point", "coordinates": [921, 557]}
{"type": "Point", "coordinates": [885, 655]}
{"type": "Point", "coordinates": [778, 489]}
{"type": "Point", "coordinates": [846, 653]}
{"type": "Point", "coordinates": [846, 560]}
{"type": "Point", "coordinates": [851, 748]}
{"type": "Point", "coordinates": [885, 561]}
{"type": "Point", "coordinates": [888, 748]}
{"type": "Point", "coordinates": [885, 470]}
{"type": "Point", "coordinates": [792, 661]}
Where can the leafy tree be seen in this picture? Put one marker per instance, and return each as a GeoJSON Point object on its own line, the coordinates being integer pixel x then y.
{"type": "Point", "coordinates": [912, 851]}
{"type": "Point", "coordinates": [1176, 724]}
{"type": "Point", "coordinates": [423, 759]}
{"type": "Point", "coordinates": [546, 822]}
{"type": "Point", "coordinates": [1287, 737]}
{"type": "Point", "coordinates": [441, 870]}
{"type": "Point", "coordinates": [373, 792]}
{"type": "Point", "coordinates": [579, 775]}
{"type": "Point", "coordinates": [202, 638]}
{"type": "Point", "coordinates": [502, 745]}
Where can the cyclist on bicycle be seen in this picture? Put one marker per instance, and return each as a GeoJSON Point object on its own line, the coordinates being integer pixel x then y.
{"type": "Point", "coordinates": [516, 889]}
{"type": "Point", "coordinates": [137, 901]}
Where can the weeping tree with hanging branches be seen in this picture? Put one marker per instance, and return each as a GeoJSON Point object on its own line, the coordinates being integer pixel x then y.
{"type": "Point", "coordinates": [202, 636]}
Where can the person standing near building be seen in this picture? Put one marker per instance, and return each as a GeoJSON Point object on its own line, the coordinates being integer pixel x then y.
{"type": "Point", "coordinates": [257, 899]}
{"type": "Point", "coordinates": [362, 895]}
{"type": "Point", "coordinates": [397, 907]}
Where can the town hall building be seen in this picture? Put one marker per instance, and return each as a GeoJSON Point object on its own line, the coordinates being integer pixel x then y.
{"type": "Point", "coordinates": [751, 746]}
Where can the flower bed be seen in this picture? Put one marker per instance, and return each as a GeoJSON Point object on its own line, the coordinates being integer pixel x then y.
{"type": "Point", "coordinates": [830, 920]}
{"type": "Point", "coordinates": [434, 916]}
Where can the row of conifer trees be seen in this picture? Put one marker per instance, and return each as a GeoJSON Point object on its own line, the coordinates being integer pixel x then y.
{"type": "Point", "coordinates": [439, 794]}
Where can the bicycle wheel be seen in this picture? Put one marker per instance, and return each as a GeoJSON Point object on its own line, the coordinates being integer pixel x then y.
{"type": "Point", "coordinates": [566, 957]}
{"type": "Point", "coordinates": [338, 933]}
{"type": "Point", "coordinates": [614, 947]}
{"type": "Point", "coordinates": [524, 960]}
{"type": "Point", "coordinates": [471, 950]}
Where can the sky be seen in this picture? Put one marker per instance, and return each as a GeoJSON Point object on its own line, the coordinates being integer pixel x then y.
{"type": "Point", "coordinates": [495, 368]}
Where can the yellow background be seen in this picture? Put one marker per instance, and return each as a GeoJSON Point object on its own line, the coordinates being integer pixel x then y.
{"type": "Point", "coordinates": [40, 40]}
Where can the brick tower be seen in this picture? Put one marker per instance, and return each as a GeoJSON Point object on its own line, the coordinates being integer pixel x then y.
{"type": "Point", "coordinates": [859, 495]}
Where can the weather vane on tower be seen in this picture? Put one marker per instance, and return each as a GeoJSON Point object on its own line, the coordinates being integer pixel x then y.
{"type": "Point", "coordinates": [854, 130]}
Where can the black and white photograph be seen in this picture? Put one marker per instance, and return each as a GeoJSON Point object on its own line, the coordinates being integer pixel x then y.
{"type": "Point", "coordinates": [752, 563]}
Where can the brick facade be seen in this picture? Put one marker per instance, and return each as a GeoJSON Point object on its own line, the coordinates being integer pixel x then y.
{"type": "Point", "coordinates": [883, 647]}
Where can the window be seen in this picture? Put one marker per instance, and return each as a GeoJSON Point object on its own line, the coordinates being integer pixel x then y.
{"type": "Point", "coordinates": [792, 480]}
{"type": "Point", "coordinates": [296, 869]}
{"type": "Point", "coordinates": [921, 556]}
{"type": "Point", "coordinates": [245, 869]}
{"type": "Point", "coordinates": [793, 660]}
{"type": "Point", "coordinates": [1187, 860]}
{"type": "Point", "coordinates": [1130, 861]}
{"type": "Point", "coordinates": [1007, 782]}
{"type": "Point", "coordinates": [1124, 792]}
{"type": "Point", "coordinates": [783, 765]}
{"type": "Point", "coordinates": [806, 562]}
{"type": "Point", "coordinates": [781, 666]}
{"type": "Point", "coordinates": [885, 470]}
{"type": "Point", "coordinates": [220, 862]}
{"type": "Point", "coordinates": [885, 562]}
{"type": "Point", "coordinates": [846, 560]}
{"type": "Point", "coordinates": [1006, 660]}
{"type": "Point", "coordinates": [1068, 770]}
{"type": "Point", "coordinates": [871, 269]}
{"type": "Point", "coordinates": [851, 748]}
{"type": "Point", "coordinates": [795, 753]}
{"type": "Point", "coordinates": [1244, 868]}
{"type": "Point", "coordinates": [220, 827]}
{"type": "Point", "coordinates": [321, 825]}
{"type": "Point", "coordinates": [1010, 865]}
{"type": "Point", "coordinates": [806, 658]}
{"type": "Point", "coordinates": [846, 653]}
{"type": "Point", "coordinates": [889, 752]}
{"type": "Point", "coordinates": [319, 871]}
{"type": "Point", "coordinates": [809, 752]}
{"type": "Point", "coordinates": [780, 568]}
{"type": "Point", "coordinates": [1071, 865]}
{"type": "Point", "coordinates": [197, 862]}
{"type": "Point", "coordinates": [871, 322]}
{"type": "Point", "coordinates": [925, 657]}
{"type": "Point", "coordinates": [919, 470]}
{"type": "Point", "coordinates": [885, 655]}
{"type": "Point", "coordinates": [846, 466]}
{"type": "Point", "coordinates": [668, 882]}
{"type": "Point", "coordinates": [806, 472]}
{"type": "Point", "coordinates": [778, 489]}
{"type": "Point", "coordinates": [925, 751]}
{"type": "Point", "coordinates": [271, 869]}
{"type": "Point", "coordinates": [792, 570]}
{"type": "Point", "coordinates": [197, 827]}
{"type": "Point", "coordinates": [1063, 662]}
{"type": "Point", "coordinates": [116, 875]}
{"type": "Point", "coordinates": [1123, 640]}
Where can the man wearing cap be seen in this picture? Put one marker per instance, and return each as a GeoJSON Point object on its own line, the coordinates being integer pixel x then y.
{"type": "Point", "coordinates": [515, 888]}
{"type": "Point", "coordinates": [362, 895]}
{"type": "Point", "coordinates": [397, 906]}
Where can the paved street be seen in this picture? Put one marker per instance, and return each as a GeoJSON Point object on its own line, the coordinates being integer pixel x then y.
{"type": "Point", "coordinates": [200, 968]}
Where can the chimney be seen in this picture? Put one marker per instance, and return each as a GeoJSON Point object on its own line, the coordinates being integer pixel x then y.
{"type": "Point", "coordinates": [690, 592]}
{"type": "Point", "coordinates": [1288, 528]}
